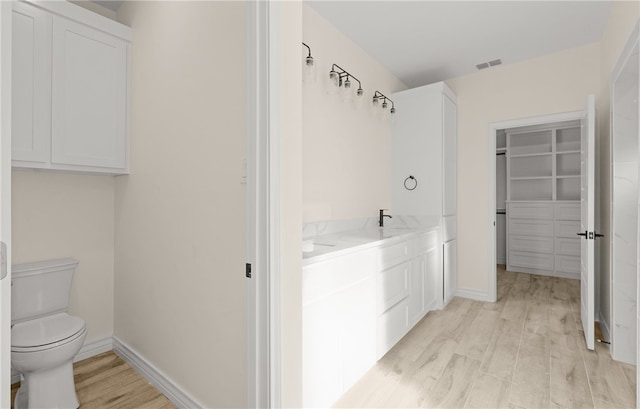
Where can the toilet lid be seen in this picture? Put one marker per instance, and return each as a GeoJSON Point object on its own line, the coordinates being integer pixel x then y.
{"type": "Point", "coordinates": [45, 330]}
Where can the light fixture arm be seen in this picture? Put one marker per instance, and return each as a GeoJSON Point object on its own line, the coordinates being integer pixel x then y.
{"type": "Point", "coordinates": [344, 73]}
{"type": "Point", "coordinates": [379, 95]}
{"type": "Point", "coordinates": [308, 48]}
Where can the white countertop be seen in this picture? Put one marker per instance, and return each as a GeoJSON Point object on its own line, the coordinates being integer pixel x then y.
{"type": "Point", "coordinates": [326, 240]}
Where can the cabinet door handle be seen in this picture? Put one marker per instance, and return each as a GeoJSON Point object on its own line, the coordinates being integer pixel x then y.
{"type": "Point", "coordinates": [583, 234]}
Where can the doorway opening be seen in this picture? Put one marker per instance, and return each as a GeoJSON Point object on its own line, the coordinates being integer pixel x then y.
{"type": "Point", "coordinates": [539, 202]}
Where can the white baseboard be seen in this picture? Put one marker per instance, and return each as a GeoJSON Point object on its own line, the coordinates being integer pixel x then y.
{"type": "Point", "coordinates": [154, 376]}
{"type": "Point", "coordinates": [94, 347]}
{"type": "Point", "coordinates": [604, 327]}
{"type": "Point", "coordinates": [473, 294]}
{"type": "Point", "coordinates": [89, 349]}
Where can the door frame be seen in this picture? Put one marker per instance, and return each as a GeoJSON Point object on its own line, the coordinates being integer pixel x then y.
{"type": "Point", "coordinates": [5, 199]}
{"type": "Point", "coordinates": [493, 128]}
{"type": "Point", "coordinates": [263, 216]}
{"type": "Point", "coordinates": [623, 59]}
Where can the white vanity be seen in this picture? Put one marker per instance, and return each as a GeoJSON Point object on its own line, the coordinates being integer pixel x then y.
{"type": "Point", "coordinates": [363, 289]}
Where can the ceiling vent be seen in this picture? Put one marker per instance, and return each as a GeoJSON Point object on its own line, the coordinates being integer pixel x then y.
{"type": "Point", "coordinates": [491, 63]}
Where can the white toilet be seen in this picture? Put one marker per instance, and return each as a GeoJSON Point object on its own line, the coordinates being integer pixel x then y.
{"type": "Point", "coordinates": [44, 338]}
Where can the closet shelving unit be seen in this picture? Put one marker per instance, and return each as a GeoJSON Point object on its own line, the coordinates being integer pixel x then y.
{"type": "Point", "coordinates": [543, 194]}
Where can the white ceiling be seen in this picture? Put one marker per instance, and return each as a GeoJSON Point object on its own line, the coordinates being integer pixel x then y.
{"type": "Point", "coordinates": [427, 41]}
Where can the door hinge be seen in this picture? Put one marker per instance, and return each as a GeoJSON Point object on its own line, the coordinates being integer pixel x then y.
{"type": "Point", "coordinates": [247, 270]}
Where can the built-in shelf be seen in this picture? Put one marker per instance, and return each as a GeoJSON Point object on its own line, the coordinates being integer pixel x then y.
{"type": "Point", "coordinates": [544, 164]}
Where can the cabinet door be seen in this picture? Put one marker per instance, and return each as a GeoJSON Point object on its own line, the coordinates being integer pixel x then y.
{"type": "Point", "coordinates": [88, 96]}
{"type": "Point", "coordinates": [416, 293]}
{"type": "Point", "coordinates": [432, 283]}
{"type": "Point", "coordinates": [450, 269]}
{"type": "Point", "coordinates": [321, 355]}
{"type": "Point", "coordinates": [31, 83]}
{"type": "Point", "coordinates": [450, 157]}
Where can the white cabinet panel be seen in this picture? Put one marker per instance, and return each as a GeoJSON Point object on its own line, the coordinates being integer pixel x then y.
{"type": "Point", "coordinates": [450, 132]}
{"type": "Point", "coordinates": [532, 244]}
{"type": "Point", "coordinates": [417, 293]}
{"type": "Point", "coordinates": [525, 259]}
{"type": "Point", "coordinates": [541, 228]}
{"type": "Point", "coordinates": [357, 331]}
{"type": "Point", "coordinates": [531, 211]}
{"type": "Point", "coordinates": [31, 83]}
{"type": "Point", "coordinates": [89, 97]}
{"type": "Point", "coordinates": [322, 368]}
{"type": "Point", "coordinates": [450, 269]}
{"type": "Point", "coordinates": [568, 246]}
{"type": "Point", "coordinates": [432, 266]}
{"type": "Point", "coordinates": [393, 286]}
{"type": "Point", "coordinates": [567, 211]}
{"type": "Point", "coordinates": [394, 254]}
{"type": "Point", "coordinates": [449, 228]}
{"type": "Point", "coordinates": [568, 264]}
{"type": "Point", "coordinates": [392, 325]}
{"type": "Point", "coordinates": [568, 229]}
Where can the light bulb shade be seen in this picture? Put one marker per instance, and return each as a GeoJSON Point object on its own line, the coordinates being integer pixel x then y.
{"type": "Point", "coordinates": [309, 60]}
{"type": "Point", "coordinates": [384, 104]}
{"type": "Point", "coordinates": [333, 76]}
{"type": "Point", "coordinates": [375, 101]}
{"type": "Point", "coordinates": [347, 83]}
{"type": "Point", "coordinates": [393, 110]}
{"type": "Point", "coordinates": [360, 92]}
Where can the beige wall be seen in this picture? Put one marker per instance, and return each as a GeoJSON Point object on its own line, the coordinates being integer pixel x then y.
{"type": "Point", "coordinates": [554, 83]}
{"type": "Point", "coordinates": [346, 148]}
{"type": "Point", "coordinates": [58, 215]}
{"type": "Point", "coordinates": [623, 18]}
{"type": "Point", "coordinates": [180, 290]}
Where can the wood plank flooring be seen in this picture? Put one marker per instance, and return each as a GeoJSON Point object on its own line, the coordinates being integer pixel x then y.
{"type": "Point", "coordinates": [527, 350]}
{"type": "Point", "coordinates": [106, 381]}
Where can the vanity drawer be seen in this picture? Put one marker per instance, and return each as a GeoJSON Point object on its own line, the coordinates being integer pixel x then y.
{"type": "Point", "coordinates": [394, 254]}
{"type": "Point", "coordinates": [541, 228]}
{"type": "Point", "coordinates": [568, 246]}
{"type": "Point", "coordinates": [425, 243]}
{"type": "Point", "coordinates": [567, 228]}
{"type": "Point", "coordinates": [568, 264]}
{"type": "Point", "coordinates": [531, 244]}
{"type": "Point", "coordinates": [392, 286]}
{"type": "Point", "coordinates": [322, 279]}
{"type": "Point", "coordinates": [531, 211]}
{"type": "Point", "coordinates": [524, 259]}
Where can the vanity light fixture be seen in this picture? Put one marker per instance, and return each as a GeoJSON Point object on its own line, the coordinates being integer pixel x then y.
{"type": "Point", "coordinates": [309, 71]}
{"type": "Point", "coordinates": [341, 78]}
{"type": "Point", "coordinates": [378, 96]}
{"type": "Point", "coordinates": [309, 59]}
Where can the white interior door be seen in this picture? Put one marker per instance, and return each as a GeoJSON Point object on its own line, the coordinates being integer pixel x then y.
{"type": "Point", "coordinates": [587, 222]}
{"type": "Point", "coordinates": [5, 202]}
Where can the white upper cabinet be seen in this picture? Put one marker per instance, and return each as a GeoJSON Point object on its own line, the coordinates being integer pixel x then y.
{"type": "Point", "coordinates": [70, 89]}
{"type": "Point", "coordinates": [31, 80]}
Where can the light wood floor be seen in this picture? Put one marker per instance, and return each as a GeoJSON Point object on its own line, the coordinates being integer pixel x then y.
{"type": "Point", "coordinates": [527, 350]}
{"type": "Point", "coordinates": [106, 381]}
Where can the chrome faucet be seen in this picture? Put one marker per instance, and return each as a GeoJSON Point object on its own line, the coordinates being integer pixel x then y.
{"type": "Point", "coordinates": [382, 216]}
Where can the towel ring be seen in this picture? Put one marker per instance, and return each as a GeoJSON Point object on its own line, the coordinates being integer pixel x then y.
{"type": "Point", "coordinates": [410, 183]}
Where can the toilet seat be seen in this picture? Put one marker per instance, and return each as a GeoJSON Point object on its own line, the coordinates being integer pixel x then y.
{"type": "Point", "coordinates": [46, 333]}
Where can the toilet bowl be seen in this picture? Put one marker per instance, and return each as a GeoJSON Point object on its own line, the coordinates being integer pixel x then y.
{"type": "Point", "coordinates": [44, 338]}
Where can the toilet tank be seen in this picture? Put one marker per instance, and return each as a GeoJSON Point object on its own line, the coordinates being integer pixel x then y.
{"type": "Point", "coordinates": [41, 288]}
